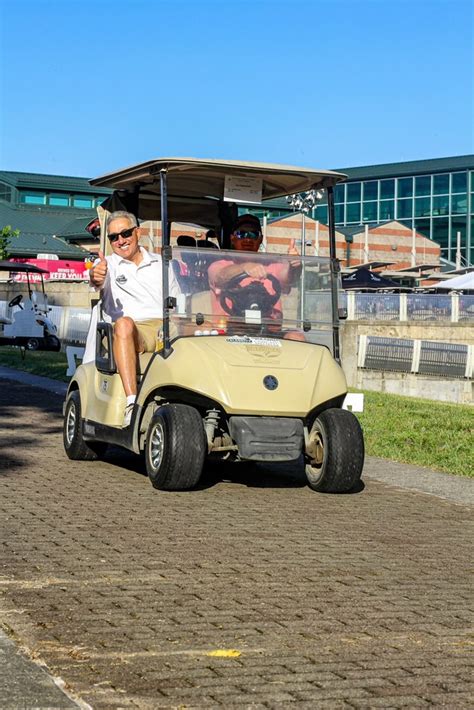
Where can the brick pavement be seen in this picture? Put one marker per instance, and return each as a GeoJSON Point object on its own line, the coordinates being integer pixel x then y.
{"type": "Point", "coordinates": [353, 601]}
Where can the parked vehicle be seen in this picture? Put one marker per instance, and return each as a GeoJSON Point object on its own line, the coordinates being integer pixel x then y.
{"type": "Point", "coordinates": [30, 326]}
{"type": "Point", "coordinates": [233, 384]}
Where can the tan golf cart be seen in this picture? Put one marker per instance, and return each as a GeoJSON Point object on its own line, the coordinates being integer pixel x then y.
{"type": "Point", "coordinates": [230, 379]}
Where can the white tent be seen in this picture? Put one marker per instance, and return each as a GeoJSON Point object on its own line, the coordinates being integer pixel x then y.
{"type": "Point", "coordinates": [465, 282]}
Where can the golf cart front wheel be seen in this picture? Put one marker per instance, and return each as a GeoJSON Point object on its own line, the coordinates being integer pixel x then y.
{"type": "Point", "coordinates": [175, 447]}
{"type": "Point", "coordinates": [335, 452]}
{"type": "Point", "coordinates": [75, 446]}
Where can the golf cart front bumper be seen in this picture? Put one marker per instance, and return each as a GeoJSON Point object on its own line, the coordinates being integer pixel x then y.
{"type": "Point", "coordinates": [267, 438]}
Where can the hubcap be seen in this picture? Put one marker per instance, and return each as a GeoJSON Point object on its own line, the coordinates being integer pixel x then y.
{"type": "Point", "coordinates": [71, 423]}
{"type": "Point", "coordinates": [315, 449]}
{"type": "Point", "coordinates": [156, 446]}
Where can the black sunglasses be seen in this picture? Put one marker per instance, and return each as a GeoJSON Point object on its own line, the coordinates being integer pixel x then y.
{"type": "Point", "coordinates": [246, 235]}
{"type": "Point", "coordinates": [125, 234]}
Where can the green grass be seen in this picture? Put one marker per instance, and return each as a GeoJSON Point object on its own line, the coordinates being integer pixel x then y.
{"type": "Point", "coordinates": [416, 431]}
{"type": "Point", "coordinates": [48, 364]}
{"type": "Point", "coordinates": [420, 432]}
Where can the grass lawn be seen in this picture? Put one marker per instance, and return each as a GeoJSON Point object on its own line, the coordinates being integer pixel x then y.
{"type": "Point", "coordinates": [417, 431]}
{"type": "Point", "coordinates": [48, 364]}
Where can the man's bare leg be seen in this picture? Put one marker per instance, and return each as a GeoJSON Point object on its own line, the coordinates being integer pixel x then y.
{"type": "Point", "coordinates": [126, 345]}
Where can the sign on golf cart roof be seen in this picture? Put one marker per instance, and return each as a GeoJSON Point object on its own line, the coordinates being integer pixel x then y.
{"type": "Point", "coordinates": [203, 178]}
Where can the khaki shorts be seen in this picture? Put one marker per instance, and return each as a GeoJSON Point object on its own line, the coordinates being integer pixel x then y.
{"type": "Point", "coordinates": [151, 334]}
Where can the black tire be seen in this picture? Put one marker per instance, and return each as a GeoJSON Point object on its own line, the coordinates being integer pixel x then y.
{"type": "Point", "coordinates": [337, 452]}
{"type": "Point", "coordinates": [74, 445]}
{"type": "Point", "coordinates": [175, 447]}
{"type": "Point", "coordinates": [32, 344]}
{"type": "Point", "coordinates": [53, 343]}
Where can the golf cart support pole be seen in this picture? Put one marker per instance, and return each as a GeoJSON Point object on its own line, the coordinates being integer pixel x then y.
{"type": "Point", "coordinates": [165, 259]}
{"type": "Point", "coordinates": [334, 273]}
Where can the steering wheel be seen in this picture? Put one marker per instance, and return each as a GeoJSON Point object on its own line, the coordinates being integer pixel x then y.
{"type": "Point", "coordinates": [16, 301]}
{"type": "Point", "coordinates": [236, 299]}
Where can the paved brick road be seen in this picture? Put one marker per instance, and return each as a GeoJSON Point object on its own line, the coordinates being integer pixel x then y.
{"type": "Point", "coordinates": [352, 601]}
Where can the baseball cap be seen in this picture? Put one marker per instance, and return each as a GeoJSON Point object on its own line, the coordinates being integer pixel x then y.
{"type": "Point", "coordinates": [248, 219]}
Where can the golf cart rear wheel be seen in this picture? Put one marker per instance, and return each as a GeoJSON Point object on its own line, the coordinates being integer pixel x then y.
{"type": "Point", "coordinates": [335, 452]}
{"type": "Point", "coordinates": [175, 447]}
{"type": "Point", "coordinates": [74, 444]}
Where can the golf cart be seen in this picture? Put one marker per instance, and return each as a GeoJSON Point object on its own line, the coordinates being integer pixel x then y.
{"type": "Point", "coordinates": [29, 326]}
{"type": "Point", "coordinates": [244, 373]}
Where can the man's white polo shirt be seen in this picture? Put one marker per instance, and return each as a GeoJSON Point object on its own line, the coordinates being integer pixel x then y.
{"type": "Point", "coordinates": [136, 291]}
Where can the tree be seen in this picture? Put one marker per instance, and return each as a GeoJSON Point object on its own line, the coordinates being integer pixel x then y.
{"type": "Point", "coordinates": [6, 236]}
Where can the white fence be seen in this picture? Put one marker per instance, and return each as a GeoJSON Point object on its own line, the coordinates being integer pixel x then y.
{"type": "Point", "coordinates": [406, 307]}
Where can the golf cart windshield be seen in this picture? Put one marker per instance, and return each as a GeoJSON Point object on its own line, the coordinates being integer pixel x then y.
{"type": "Point", "coordinates": [237, 294]}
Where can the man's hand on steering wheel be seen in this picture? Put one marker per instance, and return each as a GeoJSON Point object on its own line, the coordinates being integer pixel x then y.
{"type": "Point", "coordinates": [255, 271]}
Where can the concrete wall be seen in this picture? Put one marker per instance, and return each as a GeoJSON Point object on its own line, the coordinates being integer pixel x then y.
{"type": "Point", "coordinates": [423, 386]}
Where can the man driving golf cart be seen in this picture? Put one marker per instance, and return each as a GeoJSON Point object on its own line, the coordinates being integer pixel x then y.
{"type": "Point", "coordinates": [223, 385]}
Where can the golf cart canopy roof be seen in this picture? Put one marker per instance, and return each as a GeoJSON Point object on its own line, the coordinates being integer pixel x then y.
{"type": "Point", "coordinates": [21, 268]}
{"type": "Point", "coordinates": [195, 188]}
{"type": "Point", "coordinates": [195, 177]}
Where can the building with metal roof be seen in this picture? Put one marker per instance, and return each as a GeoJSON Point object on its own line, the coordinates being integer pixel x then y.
{"type": "Point", "coordinates": [40, 206]}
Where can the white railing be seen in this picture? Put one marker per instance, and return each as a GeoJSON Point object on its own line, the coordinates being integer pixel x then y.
{"type": "Point", "coordinates": [73, 323]}
{"type": "Point", "coordinates": [453, 308]}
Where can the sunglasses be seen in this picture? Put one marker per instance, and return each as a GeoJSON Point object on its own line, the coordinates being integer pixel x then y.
{"type": "Point", "coordinates": [246, 235]}
{"type": "Point", "coordinates": [125, 234]}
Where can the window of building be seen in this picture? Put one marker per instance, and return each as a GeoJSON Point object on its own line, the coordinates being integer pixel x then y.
{"type": "Point", "coordinates": [353, 192]}
{"type": "Point", "coordinates": [82, 201]}
{"type": "Point", "coordinates": [58, 200]}
{"type": "Point", "coordinates": [458, 225]}
{"type": "Point", "coordinates": [339, 214]}
{"type": "Point", "coordinates": [369, 212]}
{"type": "Point", "coordinates": [459, 204]}
{"type": "Point", "coordinates": [387, 189]}
{"type": "Point", "coordinates": [322, 214]}
{"type": "Point", "coordinates": [353, 212]}
{"type": "Point", "coordinates": [405, 187]}
{"type": "Point", "coordinates": [387, 210]}
{"type": "Point", "coordinates": [423, 226]}
{"type": "Point", "coordinates": [441, 184]}
{"type": "Point", "coordinates": [98, 201]}
{"type": "Point", "coordinates": [441, 205]}
{"type": "Point", "coordinates": [339, 193]}
{"type": "Point", "coordinates": [371, 190]}
{"type": "Point", "coordinates": [422, 206]}
{"type": "Point", "coordinates": [422, 185]}
{"type": "Point", "coordinates": [5, 192]}
{"type": "Point", "coordinates": [441, 232]}
{"type": "Point", "coordinates": [404, 208]}
{"type": "Point", "coordinates": [458, 182]}
{"type": "Point", "coordinates": [33, 198]}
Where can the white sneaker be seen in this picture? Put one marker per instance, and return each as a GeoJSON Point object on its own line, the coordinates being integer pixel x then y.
{"type": "Point", "coordinates": [127, 417]}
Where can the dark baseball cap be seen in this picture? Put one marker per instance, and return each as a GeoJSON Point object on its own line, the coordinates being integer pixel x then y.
{"type": "Point", "coordinates": [248, 219]}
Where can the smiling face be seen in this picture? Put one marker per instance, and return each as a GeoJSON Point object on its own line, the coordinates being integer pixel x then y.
{"type": "Point", "coordinates": [246, 243]}
{"type": "Point", "coordinates": [125, 247]}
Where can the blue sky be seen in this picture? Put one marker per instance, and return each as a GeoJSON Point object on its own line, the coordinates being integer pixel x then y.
{"type": "Point", "coordinates": [87, 87]}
